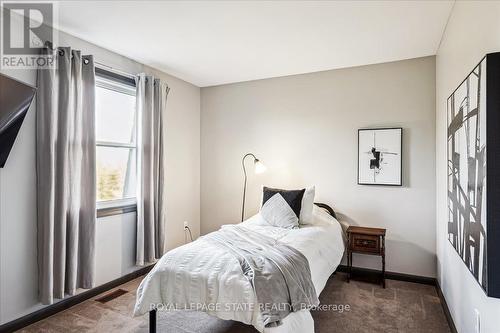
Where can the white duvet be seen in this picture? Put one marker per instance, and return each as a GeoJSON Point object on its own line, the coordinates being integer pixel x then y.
{"type": "Point", "coordinates": [203, 277]}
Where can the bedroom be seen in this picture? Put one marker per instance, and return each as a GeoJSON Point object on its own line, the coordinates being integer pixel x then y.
{"type": "Point", "coordinates": [180, 92]}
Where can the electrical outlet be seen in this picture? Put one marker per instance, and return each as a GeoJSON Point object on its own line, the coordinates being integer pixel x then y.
{"type": "Point", "coordinates": [186, 224]}
{"type": "Point", "coordinates": [478, 321]}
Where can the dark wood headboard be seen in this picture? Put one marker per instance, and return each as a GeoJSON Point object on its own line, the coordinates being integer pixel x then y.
{"type": "Point", "coordinates": [328, 208]}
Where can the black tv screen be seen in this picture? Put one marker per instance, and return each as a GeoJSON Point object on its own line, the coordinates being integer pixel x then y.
{"type": "Point", "coordinates": [15, 100]}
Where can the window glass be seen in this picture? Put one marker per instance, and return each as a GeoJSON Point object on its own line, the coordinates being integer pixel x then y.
{"type": "Point", "coordinates": [115, 116]}
{"type": "Point", "coordinates": [116, 151]}
{"type": "Point", "coordinates": [116, 173]}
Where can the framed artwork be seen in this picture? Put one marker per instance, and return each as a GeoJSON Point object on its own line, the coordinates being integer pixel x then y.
{"type": "Point", "coordinates": [379, 156]}
{"type": "Point", "coordinates": [473, 171]}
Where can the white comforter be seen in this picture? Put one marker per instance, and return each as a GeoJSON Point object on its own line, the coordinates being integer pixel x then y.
{"type": "Point", "coordinates": [206, 278]}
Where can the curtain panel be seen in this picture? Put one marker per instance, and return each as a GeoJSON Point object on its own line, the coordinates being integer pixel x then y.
{"type": "Point", "coordinates": [66, 190]}
{"type": "Point", "coordinates": [151, 106]}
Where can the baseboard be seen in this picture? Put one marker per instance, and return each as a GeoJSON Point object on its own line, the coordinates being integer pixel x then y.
{"type": "Point", "coordinates": [446, 310]}
{"type": "Point", "coordinates": [66, 303]}
{"type": "Point", "coordinates": [389, 275]}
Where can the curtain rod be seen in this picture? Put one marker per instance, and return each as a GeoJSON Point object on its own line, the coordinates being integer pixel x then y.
{"type": "Point", "coordinates": [99, 64]}
{"type": "Point", "coordinates": [117, 71]}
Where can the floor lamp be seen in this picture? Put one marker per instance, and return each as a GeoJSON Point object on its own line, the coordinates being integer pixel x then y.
{"type": "Point", "coordinates": [258, 168]}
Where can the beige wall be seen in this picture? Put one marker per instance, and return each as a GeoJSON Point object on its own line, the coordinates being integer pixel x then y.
{"type": "Point", "coordinates": [304, 128]}
{"type": "Point", "coordinates": [472, 31]}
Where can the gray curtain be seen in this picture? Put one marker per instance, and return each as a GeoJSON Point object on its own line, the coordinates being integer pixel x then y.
{"type": "Point", "coordinates": [66, 191]}
{"type": "Point", "coordinates": [151, 105]}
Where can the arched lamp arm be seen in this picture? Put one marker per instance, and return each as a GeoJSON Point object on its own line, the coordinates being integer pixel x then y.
{"type": "Point", "coordinates": [245, 182]}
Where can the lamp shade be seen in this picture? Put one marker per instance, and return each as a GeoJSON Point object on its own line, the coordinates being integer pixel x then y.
{"type": "Point", "coordinates": [259, 167]}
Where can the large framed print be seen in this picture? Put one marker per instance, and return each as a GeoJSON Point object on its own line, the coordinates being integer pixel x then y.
{"type": "Point", "coordinates": [473, 172]}
{"type": "Point", "coordinates": [379, 156]}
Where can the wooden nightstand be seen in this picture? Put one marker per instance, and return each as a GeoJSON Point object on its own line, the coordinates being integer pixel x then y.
{"type": "Point", "coordinates": [366, 241]}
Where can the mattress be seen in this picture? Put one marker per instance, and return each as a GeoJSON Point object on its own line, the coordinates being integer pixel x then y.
{"type": "Point", "coordinates": [197, 273]}
{"type": "Point", "coordinates": [322, 245]}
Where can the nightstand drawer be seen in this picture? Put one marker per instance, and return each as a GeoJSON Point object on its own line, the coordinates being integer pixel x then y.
{"type": "Point", "coordinates": [365, 243]}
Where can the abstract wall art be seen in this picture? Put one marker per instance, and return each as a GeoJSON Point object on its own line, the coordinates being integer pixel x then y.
{"type": "Point", "coordinates": [473, 171]}
{"type": "Point", "coordinates": [379, 156]}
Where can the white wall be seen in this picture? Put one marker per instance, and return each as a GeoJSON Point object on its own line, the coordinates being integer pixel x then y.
{"type": "Point", "coordinates": [115, 234]}
{"type": "Point", "coordinates": [472, 31]}
{"type": "Point", "coordinates": [304, 128]}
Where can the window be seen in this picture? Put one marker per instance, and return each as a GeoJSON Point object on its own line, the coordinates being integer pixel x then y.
{"type": "Point", "coordinates": [116, 137]}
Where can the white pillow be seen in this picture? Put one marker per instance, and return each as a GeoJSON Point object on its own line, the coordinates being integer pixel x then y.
{"type": "Point", "coordinates": [306, 211]}
{"type": "Point", "coordinates": [322, 217]}
{"type": "Point", "coordinates": [277, 212]}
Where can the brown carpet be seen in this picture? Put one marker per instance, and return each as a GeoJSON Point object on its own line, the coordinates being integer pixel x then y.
{"type": "Point", "coordinates": [401, 307]}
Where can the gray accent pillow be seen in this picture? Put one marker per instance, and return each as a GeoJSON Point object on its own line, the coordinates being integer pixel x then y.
{"type": "Point", "coordinates": [292, 197]}
{"type": "Point", "coordinates": [277, 212]}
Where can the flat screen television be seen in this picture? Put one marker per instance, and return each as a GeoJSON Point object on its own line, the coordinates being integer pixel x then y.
{"type": "Point", "coordinates": [15, 100]}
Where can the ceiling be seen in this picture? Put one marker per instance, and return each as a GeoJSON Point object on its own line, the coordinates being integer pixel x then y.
{"type": "Point", "coordinates": [216, 42]}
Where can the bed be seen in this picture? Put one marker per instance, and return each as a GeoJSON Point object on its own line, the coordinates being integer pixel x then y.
{"type": "Point", "coordinates": [206, 277]}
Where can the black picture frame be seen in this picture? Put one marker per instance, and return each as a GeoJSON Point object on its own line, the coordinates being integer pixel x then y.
{"type": "Point", "coordinates": [400, 183]}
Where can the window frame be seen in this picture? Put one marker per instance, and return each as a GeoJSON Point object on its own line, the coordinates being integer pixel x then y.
{"type": "Point", "coordinates": [123, 84]}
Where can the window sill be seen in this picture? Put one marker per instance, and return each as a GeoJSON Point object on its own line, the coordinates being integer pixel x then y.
{"type": "Point", "coordinates": [118, 207]}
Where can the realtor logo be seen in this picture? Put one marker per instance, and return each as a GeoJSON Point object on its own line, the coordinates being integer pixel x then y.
{"type": "Point", "coordinates": [26, 27]}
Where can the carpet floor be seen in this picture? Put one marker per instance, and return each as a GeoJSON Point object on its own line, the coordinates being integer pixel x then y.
{"type": "Point", "coordinates": [400, 307]}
